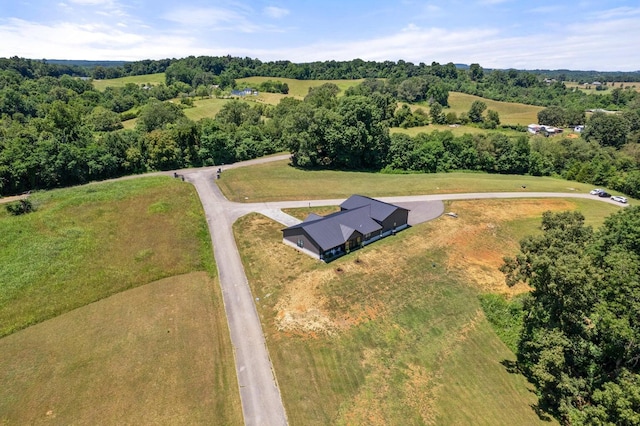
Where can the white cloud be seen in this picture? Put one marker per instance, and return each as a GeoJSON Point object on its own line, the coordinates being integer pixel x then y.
{"type": "Point", "coordinates": [88, 41]}
{"type": "Point", "coordinates": [586, 43]}
{"type": "Point", "coordinates": [213, 19]}
{"type": "Point", "coordinates": [618, 12]}
{"type": "Point", "coordinates": [432, 9]}
{"type": "Point", "coordinates": [275, 12]}
{"type": "Point", "coordinates": [580, 46]}
{"type": "Point", "coordinates": [105, 8]}
{"type": "Point", "coordinates": [546, 9]}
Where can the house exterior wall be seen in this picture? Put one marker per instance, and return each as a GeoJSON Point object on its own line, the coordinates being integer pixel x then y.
{"type": "Point", "coordinates": [396, 221]}
{"type": "Point", "coordinates": [299, 238]}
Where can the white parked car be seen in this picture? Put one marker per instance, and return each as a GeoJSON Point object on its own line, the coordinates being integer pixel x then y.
{"type": "Point", "coordinates": [619, 199]}
{"type": "Point", "coordinates": [596, 191]}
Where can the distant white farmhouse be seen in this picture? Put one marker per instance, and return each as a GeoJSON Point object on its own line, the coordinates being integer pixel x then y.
{"type": "Point", "coordinates": [541, 128]}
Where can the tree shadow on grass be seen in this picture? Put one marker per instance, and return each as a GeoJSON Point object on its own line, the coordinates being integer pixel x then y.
{"type": "Point", "coordinates": [541, 412]}
{"type": "Point", "coordinates": [511, 366]}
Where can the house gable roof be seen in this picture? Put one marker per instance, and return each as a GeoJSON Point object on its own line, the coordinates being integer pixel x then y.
{"type": "Point", "coordinates": [312, 217]}
{"type": "Point", "coordinates": [379, 210]}
{"type": "Point", "coordinates": [337, 228]}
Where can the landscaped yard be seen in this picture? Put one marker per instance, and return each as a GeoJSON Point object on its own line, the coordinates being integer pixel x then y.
{"type": "Point", "coordinates": [394, 333]}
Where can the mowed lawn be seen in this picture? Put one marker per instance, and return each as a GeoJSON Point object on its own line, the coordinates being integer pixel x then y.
{"type": "Point", "coordinates": [156, 354]}
{"type": "Point", "coordinates": [394, 333]}
{"type": "Point", "coordinates": [91, 334]}
{"type": "Point", "coordinates": [86, 243]}
{"type": "Point", "coordinates": [279, 181]}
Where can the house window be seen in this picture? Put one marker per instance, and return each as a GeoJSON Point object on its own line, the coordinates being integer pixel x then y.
{"type": "Point", "coordinates": [300, 242]}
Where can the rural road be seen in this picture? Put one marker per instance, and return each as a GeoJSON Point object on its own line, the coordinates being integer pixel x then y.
{"type": "Point", "coordinates": [259, 392]}
{"type": "Point", "coordinates": [260, 396]}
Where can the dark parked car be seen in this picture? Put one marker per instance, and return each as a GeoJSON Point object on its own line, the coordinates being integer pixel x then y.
{"type": "Point", "coordinates": [604, 194]}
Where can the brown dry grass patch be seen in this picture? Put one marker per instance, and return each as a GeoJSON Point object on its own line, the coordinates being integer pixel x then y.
{"type": "Point", "coordinates": [478, 240]}
{"type": "Point", "coordinates": [476, 243]}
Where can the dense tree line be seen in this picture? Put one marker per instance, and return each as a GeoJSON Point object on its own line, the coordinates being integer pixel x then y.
{"type": "Point", "coordinates": [580, 340]}
{"type": "Point", "coordinates": [505, 85]}
{"type": "Point", "coordinates": [608, 154]}
{"type": "Point", "coordinates": [61, 131]}
{"type": "Point", "coordinates": [30, 68]}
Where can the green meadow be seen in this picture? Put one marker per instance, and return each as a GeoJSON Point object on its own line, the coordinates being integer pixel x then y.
{"type": "Point", "coordinates": [86, 243]}
{"type": "Point", "coordinates": [110, 309]}
{"type": "Point", "coordinates": [279, 181]}
{"type": "Point", "coordinates": [152, 79]}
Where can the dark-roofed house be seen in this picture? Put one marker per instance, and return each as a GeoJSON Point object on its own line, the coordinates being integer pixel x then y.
{"type": "Point", "coordinates": [360, 221]}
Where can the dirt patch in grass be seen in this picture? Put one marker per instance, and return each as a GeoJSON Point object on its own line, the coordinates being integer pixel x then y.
{"type": "Point", "coordinates": [157, 354]}
{"type": "Point", "coordinates": [478, 239]}
{"type": "Point", "coordinates": [476, 243]}
{"type": "Point", "coordinates": [387, 334]}
{"type": "Point", "coordinates": [375, 332]}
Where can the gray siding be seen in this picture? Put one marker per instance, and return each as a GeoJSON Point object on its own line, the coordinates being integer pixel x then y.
{"type": "Point", "coordinates": [295, 236]}
{"type": "Point", "coordinates": [399, 218]}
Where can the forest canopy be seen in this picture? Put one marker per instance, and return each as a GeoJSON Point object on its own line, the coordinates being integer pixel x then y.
{"type": "Point", "coordinates": [58, 130]}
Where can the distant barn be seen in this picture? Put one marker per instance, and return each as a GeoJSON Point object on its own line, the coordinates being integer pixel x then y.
{"type": "Point", "coordinates": [360, 221]}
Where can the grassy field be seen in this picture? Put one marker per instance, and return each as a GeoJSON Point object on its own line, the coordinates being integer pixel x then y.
{"type": "Point", "coordinates": [156, 354]}
{"type": "Point", "coordinates": [510, 113]}
{"type": "Point", "coordinates": [205, 108]}
{"type": "Point", "coordinates": [610, 86]}
{"type": "Point", "coordinates": [152, 79]}
{"type": "Point", "coordinates": [455, 130]}
{"type": "Point", "coordinates": [299, 88]}
{"type": "Point", "coordinates": [89, 242]}
{"type": "Point", "coordinates": [279, 181]}
{"type": "Point", "coordinates": [394, 333]}
{"type": "Point", "coordinates": [129, 325]}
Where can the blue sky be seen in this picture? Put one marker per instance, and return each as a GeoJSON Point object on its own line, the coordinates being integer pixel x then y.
{"type": "Point", "coordinates": [580, 35]}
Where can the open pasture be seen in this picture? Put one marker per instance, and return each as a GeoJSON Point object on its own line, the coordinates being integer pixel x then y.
{"type": "Point", "coordinates": [299, 88]}
{"type": "Point", "coordinates": [455, 130]}
{"type": "Point", "coordinates": [152, 79]}
{"type": "Point", "coordinates": [89, 242]}
{"type": "Point", "coordinates": [156, 354]}
{"type": "Point", "coordinates": [510, 112]}
{"type": "Point", "coordinates": [590, 88]}
{"type": "Point", "coordinates": [279, 181]}
{"type": "Point", "coordinates": [109, 311]}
